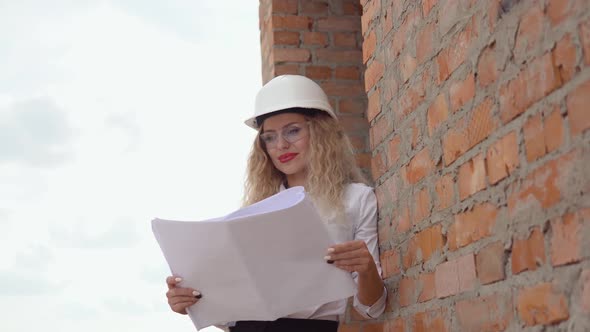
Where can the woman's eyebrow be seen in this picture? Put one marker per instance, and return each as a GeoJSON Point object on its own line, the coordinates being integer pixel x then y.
{"type": "Point", "coordinates": [285, 126]}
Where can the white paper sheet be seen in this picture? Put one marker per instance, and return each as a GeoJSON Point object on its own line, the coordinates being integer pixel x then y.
{"type": "Point", "coordinates": [261, 262]}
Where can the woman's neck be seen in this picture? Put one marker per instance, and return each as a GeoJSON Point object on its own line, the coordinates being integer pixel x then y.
{"type": "Point", "coordinates": [297, 179]}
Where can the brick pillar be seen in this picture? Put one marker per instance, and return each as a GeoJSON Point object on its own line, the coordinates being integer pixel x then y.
{"type": "Point", "coordinates": [321, 40]}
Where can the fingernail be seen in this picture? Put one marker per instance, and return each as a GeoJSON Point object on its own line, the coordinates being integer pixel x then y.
{"type": "Point", "coordinates": [178, 279]}
{"type": "Point", "coordinates": [327, 258]}
{"type": "Point", "coordinates": [330, 261]}
{"type": "Point", "coordinates": [195, 293]}
{"type": "Point", "coordinates": [330, 250]}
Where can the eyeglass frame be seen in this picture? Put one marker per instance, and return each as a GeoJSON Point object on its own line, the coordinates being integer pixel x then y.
{"type": "Point", "coordinates": [280, 134]}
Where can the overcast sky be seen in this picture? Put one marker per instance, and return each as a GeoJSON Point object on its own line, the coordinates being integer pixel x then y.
{"type": "Point", "coordinates": [113, 113]}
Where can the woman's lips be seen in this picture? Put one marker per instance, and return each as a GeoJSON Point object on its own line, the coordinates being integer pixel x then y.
{"type": "Point", "coordinates": [287, 157]}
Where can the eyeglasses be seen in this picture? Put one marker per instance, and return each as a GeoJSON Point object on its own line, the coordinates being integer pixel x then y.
{"type": "Point", "coordinates": [291, 133]}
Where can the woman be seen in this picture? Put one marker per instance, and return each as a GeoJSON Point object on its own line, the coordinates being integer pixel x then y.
{"type": "Point", "coordinates": [301, 143]}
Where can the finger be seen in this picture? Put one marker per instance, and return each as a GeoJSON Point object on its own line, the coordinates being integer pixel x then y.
{"type": "Point", "coordinates": [357, 253]}
{"type": "Point", "coordinates": [182, 292]}
{"type": "Point", "coordinates": [346, 246]}
{"type": "Point", "coordinates": [181, 307]}
{"type": "Point", "coordinates": [351, 262]}
{"type": "Point", "coordinates": [171, 281]}
{"type": "Point", "coordinates": [181, 299]}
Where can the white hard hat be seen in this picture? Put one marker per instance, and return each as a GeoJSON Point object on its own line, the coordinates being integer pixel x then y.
{"type": "Point", "coordinates": [289, 91]}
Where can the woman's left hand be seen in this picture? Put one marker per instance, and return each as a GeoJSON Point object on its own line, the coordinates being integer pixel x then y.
{"type": "Point", "coordinates": [352, 256]}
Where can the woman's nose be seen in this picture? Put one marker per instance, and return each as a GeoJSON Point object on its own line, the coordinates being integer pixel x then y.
{"type": "Point", "coordinates": [282, 144]}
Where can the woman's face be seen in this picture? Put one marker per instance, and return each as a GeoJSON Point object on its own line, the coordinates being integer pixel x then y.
{"type": "Point", "coordinates": [286, 139]}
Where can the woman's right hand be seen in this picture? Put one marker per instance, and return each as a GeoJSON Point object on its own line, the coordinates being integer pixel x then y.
{"type": "Point", "coordinates": [180, 298]}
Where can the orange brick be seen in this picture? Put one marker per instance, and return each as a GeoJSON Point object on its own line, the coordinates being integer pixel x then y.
{"type": "Point", "coordinates": [402, 217]}
{"type": "Point", "coordinates": [528, 253]}
{"type": "Point", "coordinates": [378, 167]}
{"type": "Point", "coordinates": [553, 130]}
{"type": "Point", "coordinates": [559, 10]}
{"type": "Point", "coordinates": [461, 92]}
{"type": "Point", "coordinates": [455, 276]}
{"type": "Point", "coordinates": [393, 149]}
{"type": "Point", "coordinates": [373, 327]}
{"type": "Point", "coordinates": [411, 98]}
{"type": "Point", "coordinates": [420, 166]}
{"type": "Point", "coordinates": [390, 263]}
{"type": "Point", "coordinates": [564, 56]}
{"type": "Point", "coordinates": [490, 263]}
{"type": "Point", "coordinates": [423, 245]}
{"type": "Point", "coordinates": [452, 57]}
{"type": "Point", "coordinates": [585, 37]}
{"type": "Point", "coordinates": [374, 107]}
{"type": "Point", "coordinates": [517, 95]}
{"type": "Point", "coordinates": [485, 313]}
{"type": "Point", "coordinates": [401, 35]}
{"type": "Point", "coordinates": [487, 69]}
{"type": "Point", "coordinates": [369, 45]}
{"type": "Point", "coordinates": [585, 299]}
{"type": "Point", "coordinates": [407, 66]}
{"type": "Point", "coordinates": [379, 130]}
{"type": "Point", "coordinates": [438, 113]}
{"type": "Point", "coordinates": [407, 292]}
{"type": "Point", "coordinates": [433, 320]}
{"type": "Point", "coordinates": [565, 240]}
{"type": "Point", "coordinates": [370, 9]}
{"type": "Point", "coordinates": [425, 287]}
{"type": "Point", "coordinates": [373, 74]}
{"type": "Point", "coordinates": [534, 138]}
{"type": "Point", "coordinates": [502, 158]}
{"type": "Point", "coordinates": [577, 107]}
{"type": "Point", "coordinates": [469, 131]}
{"type": "Point", "coordinates": [472, 177]}
{"type": "Point", "coordinates": [542, 304]}
{"type": "Point", "coordinates": [395, 325]}
{"type": "Point", "coordinates": [421, 206]}
{"type": "Point", "coordinates": [315, 38]}
{"type": "Point", "coordinates": [318, 72]}
{"type": "Point", "coordinates": [444, 191]}
{"type": "Point", "coordinates": [424, 42]}
{"type": "Point", "coordinates": [542, 187]}
{"type": "Point", "coordinates": [472, 226]}
{"type": "Point", "coordinates": [349, 327]}
{"type": "Point", "coordinates": [530, 29]}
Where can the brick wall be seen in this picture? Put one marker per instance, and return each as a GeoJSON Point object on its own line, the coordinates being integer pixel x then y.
{"type": "Point", "coordinates": [321, 40]}
{"type": "Point", "coordinates": [478, 117]}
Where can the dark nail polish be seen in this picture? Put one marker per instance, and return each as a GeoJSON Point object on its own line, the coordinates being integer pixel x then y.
{"type": "Point", "coordinates": [330, 261]}
{"type": "Point", "coordinates": [198, 296]}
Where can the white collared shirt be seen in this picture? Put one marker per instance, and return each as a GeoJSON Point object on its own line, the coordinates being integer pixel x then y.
{"type": "Point", "coordinates": [360, 203]}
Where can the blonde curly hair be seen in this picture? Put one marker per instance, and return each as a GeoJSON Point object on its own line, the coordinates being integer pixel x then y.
{"type": "Point", "coordinates": [331, 167]}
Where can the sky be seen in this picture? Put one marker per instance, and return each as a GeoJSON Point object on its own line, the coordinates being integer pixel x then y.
{"type": "Point", "coordinates": [113, 113]}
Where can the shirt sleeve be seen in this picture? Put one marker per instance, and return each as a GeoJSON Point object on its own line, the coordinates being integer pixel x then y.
{"type": "Point", "coordinates": [366, 230]}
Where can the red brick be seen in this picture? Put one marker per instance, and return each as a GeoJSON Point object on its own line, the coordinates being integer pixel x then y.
{"type": "Point", "coordinates": [564, 56]}
{"type": "Point", "coordinates": [455, 276]}
{"type": "Point", "coordinates": [487, 68]}
{"type": "Point", "coordinates": [422, 206]}
{"type": "Point", "coordinates": [425, 41]}
{"type": "Point", "coordinates": [543, 186]}
{"type": "Point", "coordinates": [455, 54]}
{"type": "Point", "coordinates": [352, 8]}
{"type": "Point", "coordinates": [427, 6]}
{"type": "Point", "coordinates": [425, 287]}
{"type": "Point", "coordinates": [286, 69]}
{"type": "Point", "coordinates": [530, 30]}
{"type": "Point", "coordinates": [318, 72]}
{"type": "Point", "coordinates": [553, 131]}
{"type": "Point", "coordinates": [528, 253]}
{"type": "Point", "coordinates": [393, 149]}
{"type": "Point", "coordinates": [390, 263]}
{"type": "Point", "coordinates": [347, 73]}
{"type": "Point", "coordinates": [344, 39]}
{"type": "Point", "coordinates": [373, 74]}
{"type": "Point", "coordinates": [422, 246]}
{"type": "Point", "coordinates": [502, 158]}
{"type": "Point", "coordinates": [565, 239]}
{"type": "Point", "coordinates": [438, 113]}
{"type": "Point", "coordinates": [420, 166]}
{"type": "Point", "coordinates": [517, 95]}
{"type": "Point", "coordinates": [472, 177]}
{"type": "Point", "coordinates": [472, 226]}
{"type": "Point", "coordinates": [353, 106]}
{"type": "Point", "coordinates": [291, 55]}
{"type": "Point", "coordinates": [461, 92]}
{"type": "Point", "coordinates": [369, 45]}
{"type": "Point", "coordinates": [374, 107]}
{"type": "Point", "coordinates": [469, 131]}
{"type": "Point", "coordinates": [407, 66]}
{"type": "Point", "coordinates": [291, 22]}
{"type": "Point", "coordinates": [444, 191]}
{"type": "Point", "coordinates": [542, 304]}
{"type": "Point", "coordinates": [284, 6]}
{"type": "Point", "coordinates": [585, 298]}
{"type": "Point", "coordinates": [490, 263]}
{"type": "Point", "coordinates": [378, 167]}
{"type": "Point", "coordinates": [534, 138]}
{"type": "Point", "coordinates": [363, 160]}
{"type": "Point", "coordinates": [342, 88]}
{"type": "Point", "coordinates": [352, 57]}
{"type": "Point", "coordinates": [335, 23]}
{"type": "Point", "coordinates": [314, 8]}
{"type": "Point", "coordinates": [407, 290]}
{"type": "Point", "coordinates": [286, 37]}
{"type": "Point", "coordinates": [430, 321]}
{"type": "Point", "coordinates": [315, 38]}
{"type": "Point", "coordinates": [485, 313]}
{"type": "Point", "coordinates": [585, 38]}
{"type": "Point", "coordinates": [577, 108]}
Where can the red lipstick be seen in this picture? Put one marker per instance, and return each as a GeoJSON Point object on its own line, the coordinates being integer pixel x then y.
{"type": "Point", "coordinates": [287, 157]}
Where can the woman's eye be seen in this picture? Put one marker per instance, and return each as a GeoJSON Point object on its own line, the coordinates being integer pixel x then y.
{"type": "Point", "coordinates": [267, 138]}
{"type": "Point", "coordinates": [293, 131]}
